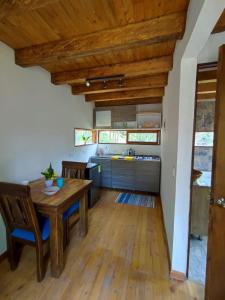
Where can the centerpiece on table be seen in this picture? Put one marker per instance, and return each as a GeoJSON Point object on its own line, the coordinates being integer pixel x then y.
{"type": "Point", "coordinates": [49, 175]}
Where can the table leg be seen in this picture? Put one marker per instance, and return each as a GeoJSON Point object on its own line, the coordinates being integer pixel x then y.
{"type": "Point", "coordinates": [83, 215]}
{"type": "Point", "coordinates": [56, 245]}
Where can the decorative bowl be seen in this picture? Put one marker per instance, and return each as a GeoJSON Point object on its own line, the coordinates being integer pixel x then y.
{"type": "Point", "coordinates": [51, 190]}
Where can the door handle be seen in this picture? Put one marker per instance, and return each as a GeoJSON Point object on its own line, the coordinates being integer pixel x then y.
{"type": "Point", "coordinates": [220, 202]}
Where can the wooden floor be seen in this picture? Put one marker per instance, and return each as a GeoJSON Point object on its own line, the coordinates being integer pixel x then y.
{"type": "Point", "coordinates": [122, 257]}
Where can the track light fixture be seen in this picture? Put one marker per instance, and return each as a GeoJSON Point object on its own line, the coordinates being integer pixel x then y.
{"type": "Point", "coordinates": [120, 82]}
{"type": "Point", "coordinates": [87, 83]}
{"type": "Point", "coordinates": [105, 80]}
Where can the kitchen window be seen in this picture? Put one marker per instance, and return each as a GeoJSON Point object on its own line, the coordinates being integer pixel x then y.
{"type": "Point", "coordinates": [141, 137]}
{"type": "Point", "coordinates": [84, 137]}
{"type": "Point", "coordinates": [112, 136]}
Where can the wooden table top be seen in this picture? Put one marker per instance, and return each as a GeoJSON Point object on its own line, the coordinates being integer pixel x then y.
{"type": "Point", "coordinates": [70, 188]}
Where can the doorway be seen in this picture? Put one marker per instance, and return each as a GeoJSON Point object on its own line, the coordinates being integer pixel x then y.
{"type": "Point", "coordinates": [202, 159]}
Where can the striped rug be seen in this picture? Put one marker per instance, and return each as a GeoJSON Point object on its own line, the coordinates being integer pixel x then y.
{"type": "Point", "coordinates": [137, 200]}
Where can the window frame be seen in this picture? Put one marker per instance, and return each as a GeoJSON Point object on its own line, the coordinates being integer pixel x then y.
{"type": "Point", "coordinates": [158, 132]}
{"type": "Point", "coordinates": [93, 132]}
{"type": "Point", "coordinates": [204, 146]}
{"type": "Point", "coordinates": [100, 130]}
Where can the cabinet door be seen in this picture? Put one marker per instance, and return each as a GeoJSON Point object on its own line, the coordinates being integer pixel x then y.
{"type": "Point", "coordinates": [105, 163]}
{"type": "Point", "coordinates": [147, 176]}
{"type": "Point", "coordinates": [103, 118]}
{"type": "Point", "coordinates": [123, 174]}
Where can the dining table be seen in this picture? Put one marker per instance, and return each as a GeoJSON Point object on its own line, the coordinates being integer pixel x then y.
{"type": "Point", "coordinates": [54, 206]}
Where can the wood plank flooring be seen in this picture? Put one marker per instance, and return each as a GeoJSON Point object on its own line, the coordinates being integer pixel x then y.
{"type": "Point", "coordinates": [122, 257]}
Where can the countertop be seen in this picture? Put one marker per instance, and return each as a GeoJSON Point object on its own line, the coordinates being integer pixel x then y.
{"type": "Point", "coordinates": [91, 165]}
{"type": "Point", "coordinates": [130, 158]}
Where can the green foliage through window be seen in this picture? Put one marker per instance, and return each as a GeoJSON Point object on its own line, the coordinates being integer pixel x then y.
{"type": "Point", "coordinates": [128, 137]}
{"type": "Point", "coordinates": [112, 137]}
{"type": "Point", "coordinates": [143, 137]}
{"type": "Point", "coordinates": [204, 139]}
{"type": "Point", "coordinates": [83, 137]}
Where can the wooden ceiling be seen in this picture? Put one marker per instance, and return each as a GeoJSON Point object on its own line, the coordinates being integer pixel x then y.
{"type": "Point", "coordinates": [206, 82]}
{"type": "Point", "coordinates": [77, 40]}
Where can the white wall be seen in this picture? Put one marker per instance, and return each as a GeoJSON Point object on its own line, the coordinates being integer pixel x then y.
{"type": "Point", "coordinates": [178, 111]}
{"type": "Point", "coordinates": [36, 123]}
{"type": "Point", "coordinates": [211, 50]}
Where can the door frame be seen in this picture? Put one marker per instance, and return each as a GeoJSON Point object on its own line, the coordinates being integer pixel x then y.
{"type": "Point", "coordinates": [199, 67]}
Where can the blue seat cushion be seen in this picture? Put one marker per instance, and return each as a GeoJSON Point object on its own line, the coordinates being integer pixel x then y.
{"type": "Point", "coordinates": [29, 236]}
{"type": "Point", "coordinates": [71, 210]}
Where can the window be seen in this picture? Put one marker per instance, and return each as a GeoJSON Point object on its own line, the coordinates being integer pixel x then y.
{"type": "Point", "coordinates": [84, 137]}
{"type": "Point", "coordinates": [112, 136]}
{"type": "Point", "coordinates": [204, 139]}
{"type": "Point", "coordinates": [143, 137]}
{"type": "Point", "coordinates": [129, 137]}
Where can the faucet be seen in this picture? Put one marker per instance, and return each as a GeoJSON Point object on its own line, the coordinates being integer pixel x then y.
{"type": "Point", "coordinates": [131, 152]}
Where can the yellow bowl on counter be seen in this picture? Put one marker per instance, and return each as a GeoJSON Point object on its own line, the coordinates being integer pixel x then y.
{"type": "Point", "coordinates": [115, 157]}
{"type": "Point", "coordinates": [128, 157]}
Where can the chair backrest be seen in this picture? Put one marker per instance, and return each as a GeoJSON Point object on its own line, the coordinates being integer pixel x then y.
{"type": "Point", "coordinates": [17, 208]}
{"type": "Point", "coordinates": [73, 169]}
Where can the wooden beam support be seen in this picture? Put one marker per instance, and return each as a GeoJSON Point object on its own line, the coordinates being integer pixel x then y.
{"type": "Point", "coordinates": [150, 66]}
{"type": "Point", "coordinates": [206, 96]}
{"type": "Point", "coordinates": [207, 76]}
{"type": "Point", "coordinates": [128, 84]}
{"type": "Point", "coordinates": [145, 93]}
{"type": "Point", "coordinates": [220, 25]}
{"type": "Point", "coordinates": [143, 33]}
{"type": "Point", "coordinates": [14, 7]}
{"type": "Point", "coordinates": [207, 87]}
{"type": "Point", "coordinates": [128, 102]}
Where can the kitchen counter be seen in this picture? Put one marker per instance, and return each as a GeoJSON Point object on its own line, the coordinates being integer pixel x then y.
{"type": "Point", "coordinates": [127, 157]}
{"type": "Point", "coordinates": [140, 173]}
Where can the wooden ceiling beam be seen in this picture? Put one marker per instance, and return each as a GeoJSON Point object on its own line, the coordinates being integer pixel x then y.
{"type": "Point", "coordinates": [128, 84]}
{"type": "Point", "coordinates": [207, 76]}
{"type": "Point", "coordinates": [143, 33]}
{"type": "Point", "coordinates": [209, 87]}
{"type": "Point", "coordinates": [14, 7]}
{"type": "Point", "coordinates": [145, 93]}
{"type": "Point", "coordinates": [206, 96]}
{"type": "Point", "coordinates": [150, 66]}
{"type": "Point", "coordinates": [128, 102]}
{"type": "Point", "coordinates": [220, 25]}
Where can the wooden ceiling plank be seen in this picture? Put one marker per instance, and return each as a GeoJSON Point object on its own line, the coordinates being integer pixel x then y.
{"type": "Point", "coordinates": [128, 102]}
{"type": "Point", "coordinates": [14, 7]}
{"type": "Point", "coordinates": [128, 84]}
{"type": "Point", "coordinates": [145, 93]}
{"type": "Point", "coordinates": [150, 66]}
{"type": "Point", "coordinates": [147, 32]}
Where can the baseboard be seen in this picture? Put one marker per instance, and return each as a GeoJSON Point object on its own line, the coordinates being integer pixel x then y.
{"type": "Point", "coordinates": [179, 276]}
{"type": "Point", "coordinates": [3, 256]}
{"type": "Point", "coordinates": [164, 234]}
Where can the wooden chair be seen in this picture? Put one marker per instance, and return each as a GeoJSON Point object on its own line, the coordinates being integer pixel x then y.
{"type": "Point", "coordinates": [72, 169]}
{"type": "Point", "coordinates": [22, 224]}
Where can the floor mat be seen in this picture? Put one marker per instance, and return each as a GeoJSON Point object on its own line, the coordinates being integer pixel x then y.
{"type": "Point", "coordinates": [136, 199]}
{"type": "Point", "coordinates": [197, 262]}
